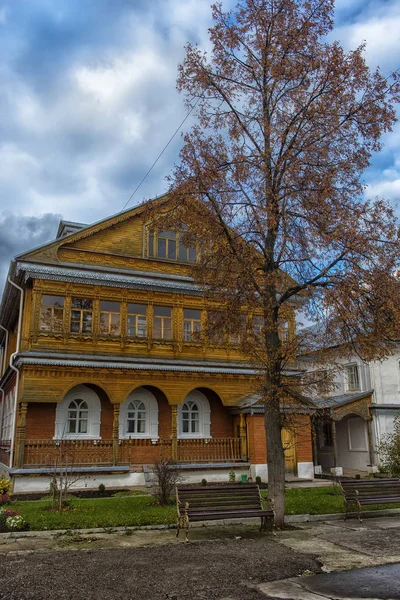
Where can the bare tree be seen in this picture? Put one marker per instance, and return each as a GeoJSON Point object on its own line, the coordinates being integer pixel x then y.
{"type": "Point", "coordinates": [64, 475]}
{"type": "Point", "coordinates": [271, 177]}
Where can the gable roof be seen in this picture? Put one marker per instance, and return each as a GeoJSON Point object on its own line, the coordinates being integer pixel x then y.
{"type": "Point", "coordinates": [83, 231]}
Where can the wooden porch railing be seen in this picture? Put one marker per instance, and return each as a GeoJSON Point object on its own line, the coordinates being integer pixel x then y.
{"type": "Point", "coordinates": [78, 453]}
{"type": "Point", "coordinates": [5, 448]}
{"type": "Point", "coordinates": [209, 450]}
{"type": "Point", "coordinates": [48, 453]}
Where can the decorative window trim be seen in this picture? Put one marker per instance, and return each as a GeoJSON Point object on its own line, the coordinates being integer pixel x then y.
{"type": "Point", "coordinates": [204, 417]}
{"type": "Point", "coordinates": [151, 405]}
{"type": "Point", "coordinates": [79, 392]}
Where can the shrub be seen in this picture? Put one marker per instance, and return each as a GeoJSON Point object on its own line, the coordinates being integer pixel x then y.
{"type": "Point", "coordinates": [5, 499]}
{"type": "Point", "coordinates": [16, 523]}
{"type": "Point", "coordinates": [102, 488]}
{"type": "Point", "coordinates": [167, 475]}
{"type": "Point", "coordinates": [389, 450]}
{"type": "Point", "coordinates": [258, 480]}
{"type": "Point", "coordinates": [204, 482]}
{"type": "Point", "coordinates": [358, 476]}
{"type": "Point", "coordinates": [5, 486]}
{"type": "Point", "coordinates": [232, 476]}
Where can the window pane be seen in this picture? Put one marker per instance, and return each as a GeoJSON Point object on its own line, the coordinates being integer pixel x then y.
{"type": "Point", "coordinates": [52, 300]}
{"type": "Point", "coordinates": [172, 249]}
{"type": "Point", "coordinates": [141, 426]}
{"type": "Point", "coordinates": [71, 426]}
{"type": "Point", "coordinates": [131, 426]}
{"type": "Point", "coordinates": [75, 327]}
{"type": "Point", "coordinates": [83, 426]}
{"type": "Point", "coordinates": [45, 319]}
{"type": "Point", "coordinates": [103, 323]}
{"type": "Point", "coordinates": [82, 303]}
{"type": "Point", "coordinates": [182, 251]}
{"type": "Point", "coordinates": [75, 315]}
{"type": "Point", "coordinates": [107, 306]}
{"type": "Point", "coordinates": [157, 328]}
{"type": "Point", "coordinates": [192, 254]}
{"type": "Point", "coordinates": [162, 248]}
{"type": "Point", "coordinates": [115, 324]}
{"type": "Point", "coordinates": [192, 314]}
{"type": "Point", "coordinates": [162, 311]}
{"type": "Point", "coordinates": [86, 327]}
{"type": "Point", "coordinates": [136, 309]}
{"type": "Point", "coordinates": [141, 331]}
{"type": "Point", "coordinates": [185, 426]}
{"type": "Point", "coordinates": [167, 234]}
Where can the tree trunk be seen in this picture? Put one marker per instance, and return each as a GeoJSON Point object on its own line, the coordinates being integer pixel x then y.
{"type": "Point", "coordinates": [275, 457]}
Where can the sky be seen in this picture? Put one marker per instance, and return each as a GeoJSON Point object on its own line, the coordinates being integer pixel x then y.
{"type": "Point", "coordinates": [88, 101]}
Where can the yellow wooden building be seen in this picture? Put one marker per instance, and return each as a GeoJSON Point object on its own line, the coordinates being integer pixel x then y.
{"type": "Point", "coordinates": [104, 357]}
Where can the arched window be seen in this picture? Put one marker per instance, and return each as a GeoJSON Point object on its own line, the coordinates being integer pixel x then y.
{"type": "Point", "coordinates": [194, 416]}
{"type": "Point", "coordinates": [136, 417]}
{"type": "Point", "coordinates": [190, 417]}
{"type": "Point", "coordinates": [78, 413]}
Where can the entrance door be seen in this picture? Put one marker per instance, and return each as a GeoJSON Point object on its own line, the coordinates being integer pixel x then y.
{"type": "Point", "coordinates": [289, 443]}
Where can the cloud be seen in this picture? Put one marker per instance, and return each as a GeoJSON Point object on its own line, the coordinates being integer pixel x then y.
{"type": "Point", "coordinates": [88, 101]}
{"type": "Point", "coordinates": [19, 234]}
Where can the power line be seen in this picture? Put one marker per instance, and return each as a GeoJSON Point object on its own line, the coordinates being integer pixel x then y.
{"type": "Point", "coordinates": [160, 155]}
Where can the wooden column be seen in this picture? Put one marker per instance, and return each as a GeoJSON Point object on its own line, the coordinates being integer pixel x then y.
{"type": "Point", "coordinates": [174, 432]}
{"type": "Point", "coordinates": [314, 434]}
{"type": "Point", "coordinates": [334, 443]}
{"type": "Point", "coordinates": [115, 443]}
{"type": "Point", "coordinates": [243, 437]}
{"type": "Point", "coordinates": [20, 436]}
{"type": "Point", "coordinates": [370, 445]}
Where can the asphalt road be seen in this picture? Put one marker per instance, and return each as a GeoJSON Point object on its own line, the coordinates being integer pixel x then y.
{"type": "Point", "coordinates": [374, 583]}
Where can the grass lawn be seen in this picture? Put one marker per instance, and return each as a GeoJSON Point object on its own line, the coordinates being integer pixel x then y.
{"type": "Point", "coordinates": [139, 510]}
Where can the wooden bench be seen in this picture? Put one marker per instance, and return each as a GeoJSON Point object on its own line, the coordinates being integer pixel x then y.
{"type": "Point", "coordinates": [212, 503]}
{"type": "Point", "coordinates": [363, 492]}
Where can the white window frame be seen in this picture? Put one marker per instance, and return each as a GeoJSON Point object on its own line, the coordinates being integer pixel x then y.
{"type": "Point", "coordinates": [204, 416]}
{"type": "Point", "coordinates": [151, 405]}
{"type": "Point", "coordinates": [78, 393]}
{"type": "Point", "coordinates": [357, 367]}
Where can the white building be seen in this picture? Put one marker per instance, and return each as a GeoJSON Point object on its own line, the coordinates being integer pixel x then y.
{"type": "Point", "coordinates": [351, 421]}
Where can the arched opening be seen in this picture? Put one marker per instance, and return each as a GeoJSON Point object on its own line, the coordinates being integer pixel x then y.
{"type": "Point", "coordinates": [78, 415]}
{"type": "Point", "coordinates": [141, 413]}
{"type": "Point", "coordinates": [194, 416]}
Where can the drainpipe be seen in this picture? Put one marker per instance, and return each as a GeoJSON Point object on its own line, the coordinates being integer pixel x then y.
{"type": "Point", "coordinates": [4, 357]}
{"type": "Point", "coordinates": [1, 410]}
{"type": "Point", "coordinates": [13, 355]}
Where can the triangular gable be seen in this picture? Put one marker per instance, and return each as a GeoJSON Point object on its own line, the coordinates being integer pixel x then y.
{"type": "Point", "coordinates": [97, 237]}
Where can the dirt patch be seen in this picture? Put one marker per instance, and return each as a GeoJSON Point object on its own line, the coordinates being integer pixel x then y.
{"type": "Point", "coordinates": [200, 570]}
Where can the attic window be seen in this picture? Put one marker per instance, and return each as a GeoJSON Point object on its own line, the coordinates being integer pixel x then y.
{"type": "Point", "coordinates": [169, 245]}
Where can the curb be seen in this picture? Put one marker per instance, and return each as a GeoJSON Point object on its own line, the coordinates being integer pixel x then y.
{"type": "Point", "coordinates": [389, 512]}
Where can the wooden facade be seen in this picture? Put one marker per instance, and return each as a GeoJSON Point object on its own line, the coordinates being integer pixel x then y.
{"type": "Point", "coordinates": [90, 337]}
